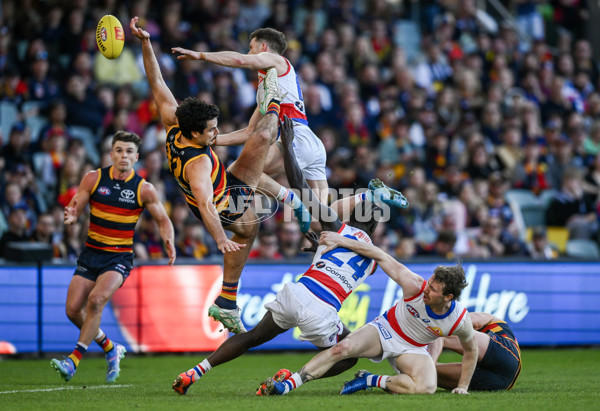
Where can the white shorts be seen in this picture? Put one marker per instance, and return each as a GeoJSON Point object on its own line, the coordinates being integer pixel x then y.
{"type": "Point", "coordinates": [296, 306]}
{"type": "Point", "coordinates": [310, 152]}
{"type": "Point", "coordinates": [393, 345]}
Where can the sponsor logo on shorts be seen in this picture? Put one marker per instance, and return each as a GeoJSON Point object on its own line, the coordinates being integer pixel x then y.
{"type": "Point", "coordinates": [385, 333]}
{"type": "Point", "coordinates": [104, 191]}
{"type": "Point", "coordinates": [320, 264]}
{"type": "Point", "coordinates": [412, 310]}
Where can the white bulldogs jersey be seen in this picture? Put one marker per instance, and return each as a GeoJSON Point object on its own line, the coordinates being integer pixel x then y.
{"type": "Point", "coordinates": [335, 274]}
{"type": "Point", "coordinates": [292, 103]}
{"type": "Point", "coordinates": [416, 323]}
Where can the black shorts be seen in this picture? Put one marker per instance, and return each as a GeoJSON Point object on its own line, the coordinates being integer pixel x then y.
{"type": "Point", "coordinates": [500, 366]}
{"type": "Point", "coordinates": [240, 198]}
{"type": "Point", "coordinates": [92, 263]}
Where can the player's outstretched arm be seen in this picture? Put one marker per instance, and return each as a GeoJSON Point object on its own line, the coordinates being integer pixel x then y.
{"type": "Point", "coordinates": [164, 99]}
{"type": "Point", "coordinates": [150, 200]}
{"type": "Point", "coordinates": [410, 282]}
{"type": "Point", "coordinates": [327, 217]}
{"type": "Point", "coordinates": [80, 200]}
{"type": "Point", "coordinates": [260, 61]}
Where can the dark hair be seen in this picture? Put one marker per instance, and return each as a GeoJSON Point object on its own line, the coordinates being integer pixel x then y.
{"type": "Point", "coordinates": [127, 137]}
{"type": "Point", "coordinates": [365, 216]}
{"type": "Point", "coordinates": [452, 278]}
{"type": "Point", "coordinates": [274, 39]}
{"type": "Point", "coordinates": [193, 115]}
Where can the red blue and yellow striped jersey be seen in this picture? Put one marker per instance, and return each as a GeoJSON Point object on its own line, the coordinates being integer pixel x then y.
{"type": "Point", "coordinates": [115, 207]}
{"type": "Point", "coordinates": [180, 156]}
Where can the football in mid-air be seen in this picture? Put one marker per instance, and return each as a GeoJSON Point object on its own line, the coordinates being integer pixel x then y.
{"type": "Point", "coordinates": [110, 36]}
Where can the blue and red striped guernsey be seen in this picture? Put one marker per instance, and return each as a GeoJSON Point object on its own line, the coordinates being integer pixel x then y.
{"type": "Point", "coordinates": [115, 208]}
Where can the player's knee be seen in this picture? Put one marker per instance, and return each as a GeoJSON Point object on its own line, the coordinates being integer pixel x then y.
{"type": "Point", "coordinates": [426, 388]}
{"type": "Point", "coordinates": [96, 302]}
{"type": "Point", "coordinates": [73, 313]}
{"type": "Point", "coordinates": [342, 349]}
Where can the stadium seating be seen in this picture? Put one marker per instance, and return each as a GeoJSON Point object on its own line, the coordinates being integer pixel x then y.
{"type": "Point", "coordinates": [582, 248]}
{"type": "Point", "coordinates": [9, 114]}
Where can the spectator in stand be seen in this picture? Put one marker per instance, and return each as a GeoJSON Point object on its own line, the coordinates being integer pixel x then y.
{"type": "Point", "coordinates": [72, 242]}
{"type": "Point", "coordinates": [83, 108]}
{"type": "Point", "coordinates": [267, 248]}
{"type": "Point", "coordinates": [194, 241]}
{"type": "Point", "coordinates": [17, 222]}
{"type": "Point", "coordinates": [591, 183]}
{"type": "Point", "coordinates": [290, 240]}
{"type": "Point", "coordinates": [45, 232]}
{"type": "Point", "coordinates": [572, 209]}
{"type": "Point", "coordinates": [17, 150]}
{"type": "Point", "coordinates": [532, 172]}
{"type": "Point", "coordinates": [41, 86]}
{"type": "Point", "coordinates": [539, 248]}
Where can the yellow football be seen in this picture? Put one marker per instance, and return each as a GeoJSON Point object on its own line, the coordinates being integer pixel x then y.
{"type": "Point", "coordinates": [110, 36]}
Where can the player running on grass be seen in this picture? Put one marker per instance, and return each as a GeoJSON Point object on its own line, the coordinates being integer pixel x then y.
{"type": "Point", "coordinates": [220, 198]}
{"type": "Point", "coordinates": [313, 302]}
{"type": "Point", "coordinates": [117, 195]}
{"type": "Point", "coordinates": [429, 310]}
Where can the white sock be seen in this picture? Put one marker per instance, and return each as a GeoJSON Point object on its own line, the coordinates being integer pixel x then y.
{"type": "Point", "coordinates": [287, 196]}
{"type": "Point", "coordinates": [82, 344]}
{"type": "Point", "coordinates": [201, 369]}
{"type": "Point", "coordinates": [377, 381]}
{"type": "Point", "coordinates": [292, 383]}
{"type": "Point", "coordinates": [100, 335]}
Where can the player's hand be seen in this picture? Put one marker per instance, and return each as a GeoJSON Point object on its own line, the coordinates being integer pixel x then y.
{"type": "Point", "coordinates": [171, 251]}
{"type": "Point", "coordinates": [459, 390]}
{"type": "Point", "coordinates": [185, 54]}
{"type": "Point", "coordinates": [70, 213]}
{"type": "Point", "coordinates": [313, 238]}
{"type": "Point", "coordinates": [287, 131]}
{"type": "Point", "coordinates": [136, 31]}
{"type": "Point", "coordinates": [330, 240]}
{"type": "Point", "coordinates": [229, 246]}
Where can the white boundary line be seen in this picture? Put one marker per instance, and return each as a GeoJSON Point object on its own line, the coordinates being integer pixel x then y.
{"type": "Point", "coordinates": [91, 387]}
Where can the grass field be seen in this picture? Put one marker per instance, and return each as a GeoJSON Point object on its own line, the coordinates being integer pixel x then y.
{"type": "Point", "coordinates": [561, 379]}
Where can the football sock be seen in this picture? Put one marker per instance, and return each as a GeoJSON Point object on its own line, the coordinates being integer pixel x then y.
{"type": "Point", "coordinates": [377, 380]}
{"type": "Point", "coordinates": [201, 369]}
{"type": "Point", "coordinates": [273, 108]}
{"type": "Point", "coordinates": [292, 383]}
{"type": "Point", "coordinates": [228, 297]}
{"type": "Point", "coordinates": [287, 196]}
{"type": "Point", "coordinates": [103, 341]}
{"type": "Point", "coordinates": [78, 353]}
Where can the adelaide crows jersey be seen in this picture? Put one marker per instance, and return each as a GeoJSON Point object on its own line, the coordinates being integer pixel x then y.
{"type": "Point", "coordinates": [335, 274]}
{"type": "Point", "coordinates": [115, 207]}
{"type": "Point", "coordinates": [180, 156]}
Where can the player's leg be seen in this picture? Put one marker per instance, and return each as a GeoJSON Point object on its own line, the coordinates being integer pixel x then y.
{"type": "Point", "coordinates": [77, 295]}
{"type": "Point", "coordinates": [225, 309]}
{"type": "Point", "coordinates": [448, 374]}
{"type": "Point", "coordinates": [250, 163]}
{"type": "Point", "coordinates": [103, 289]}
{"type": "Point", "coordinates": [232, 348]}
{"type": "Point", "coordinates": [287, 196]}
{"type": "Point", "coordinates": [418, 375]}
{"type": "Point", "coordinates": [342, 365]}
{"type": "Point", "coordinates": [363, 343]}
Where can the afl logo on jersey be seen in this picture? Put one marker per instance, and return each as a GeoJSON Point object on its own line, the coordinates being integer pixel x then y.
{"type": "Point", "coordinates": [105, 191]}
{"type": "Point", "coordinates": [320, 264]}
{"type": "Point", "coordinates": [412, 311]}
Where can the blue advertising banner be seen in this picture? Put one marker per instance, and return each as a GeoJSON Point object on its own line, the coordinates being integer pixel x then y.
{"type": "Point", "coordinates": [546, 303]}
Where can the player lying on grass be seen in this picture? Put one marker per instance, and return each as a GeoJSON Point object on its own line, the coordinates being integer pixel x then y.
{"type": "Point", "coordinates": [313, 302]}
{"type": "Point", "coordinates": [429, 310]}
{"type": "Point", "coordinates": [498, 362]}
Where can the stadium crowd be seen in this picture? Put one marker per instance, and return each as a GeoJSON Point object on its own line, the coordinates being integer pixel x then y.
{"type": "Point", "coordinates": [447, 103]}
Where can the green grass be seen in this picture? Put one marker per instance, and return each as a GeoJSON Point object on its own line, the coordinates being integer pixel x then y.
{"type": "Point", "coordinates": [562, 379]}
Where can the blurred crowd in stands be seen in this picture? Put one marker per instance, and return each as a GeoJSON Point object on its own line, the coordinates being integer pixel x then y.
{"type": "Point", "coordinates": [452, 104]}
